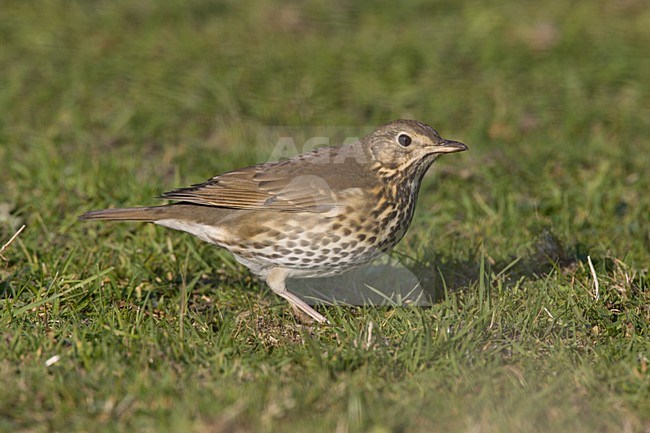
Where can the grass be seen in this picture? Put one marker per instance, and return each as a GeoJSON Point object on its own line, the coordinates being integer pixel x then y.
{"type": "Point", "coordinates": [127, 327]}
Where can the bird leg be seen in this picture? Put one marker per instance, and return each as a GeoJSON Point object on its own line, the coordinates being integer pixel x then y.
{"type": "Point", "coordinates": [276, 281]}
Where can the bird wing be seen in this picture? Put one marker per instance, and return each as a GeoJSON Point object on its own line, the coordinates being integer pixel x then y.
{"type": "Point", "coordinates": [305, 183]}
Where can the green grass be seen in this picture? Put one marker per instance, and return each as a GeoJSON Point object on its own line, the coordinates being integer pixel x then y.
{"type": "Point", "coordinates": [111, 103]}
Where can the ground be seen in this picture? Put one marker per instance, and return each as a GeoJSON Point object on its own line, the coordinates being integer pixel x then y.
{"type": "Point", "coordinates": [126, 327]}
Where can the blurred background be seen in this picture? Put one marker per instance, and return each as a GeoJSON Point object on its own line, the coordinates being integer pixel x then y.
{"type": "Point", "coordinates": [553, 100]}
{"type": "Point", "coordinates": [110, 103]}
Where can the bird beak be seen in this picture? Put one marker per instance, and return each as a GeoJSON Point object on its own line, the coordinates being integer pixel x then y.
{"type": "Point", "coordinates": [449, 146]}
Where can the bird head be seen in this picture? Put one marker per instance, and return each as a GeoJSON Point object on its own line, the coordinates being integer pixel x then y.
{"type": "Point", "coordinates": [404, 145]}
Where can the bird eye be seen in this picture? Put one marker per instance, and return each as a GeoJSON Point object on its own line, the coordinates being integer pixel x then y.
{"type": "Point", "coordinates": [404, 140]}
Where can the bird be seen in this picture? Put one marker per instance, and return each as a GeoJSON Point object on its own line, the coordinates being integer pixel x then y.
{"type": "Point", "coordinates": [317, 214]}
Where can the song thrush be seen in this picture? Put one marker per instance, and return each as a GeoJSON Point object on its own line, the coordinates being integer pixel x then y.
{"type": "Point", "coordinates": [317, 214]}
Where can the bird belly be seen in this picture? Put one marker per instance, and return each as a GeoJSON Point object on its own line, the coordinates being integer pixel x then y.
{"type": "Point", "coordinates": [306, 243]}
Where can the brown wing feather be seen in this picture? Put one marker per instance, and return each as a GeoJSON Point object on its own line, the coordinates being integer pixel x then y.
{"type": "Point", "coordinates": [286, 185]}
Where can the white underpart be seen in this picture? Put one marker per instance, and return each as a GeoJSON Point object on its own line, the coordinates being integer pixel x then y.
{"type": "Point", "coordinates": [254, 266]}
{"type": "Point", "coordinates": [213, 235]}
{"type": "Point", "coordinates": [207, 233]}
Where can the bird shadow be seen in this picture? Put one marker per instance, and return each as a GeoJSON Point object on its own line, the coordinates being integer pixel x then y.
{"type": "Point", "coordinates": [425, 281]}
{"type": "Point", "coordinates": [439, 273]}
{"type": "Point", "coordinates": [393, 280]}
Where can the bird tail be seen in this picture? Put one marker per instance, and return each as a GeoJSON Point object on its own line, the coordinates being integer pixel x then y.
{"type": "Point", "coordinates": [148, 214]}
